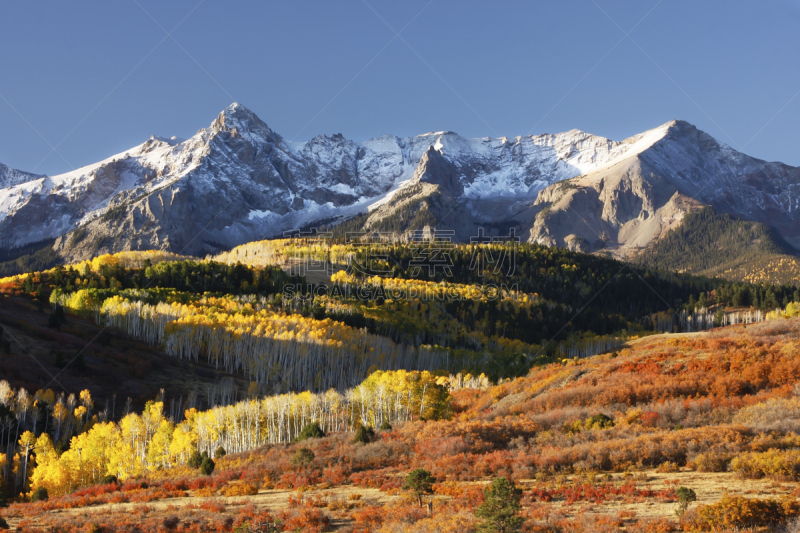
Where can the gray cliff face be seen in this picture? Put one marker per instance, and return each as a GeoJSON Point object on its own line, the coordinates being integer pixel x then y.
{"type": "Point", "coordinates": [619, 210]}
{"type": "Point", "coordinates": [238, 181]}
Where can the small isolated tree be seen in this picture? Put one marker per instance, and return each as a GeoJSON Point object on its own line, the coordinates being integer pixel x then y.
{"type": "Point", "coordinates": [207, 466]}
{"type": "Point", "coordinates": [310, 431]}
{"type": "Point", "coordinates": [501, 507]}
{"type": "Point", "coordinates": [39, 495]}
{"type": "Point", "coordinates": [685, 497]}
{"type": "Point", "coordinates": [195, 460]}
{"type": "Point", "coordinates": [220, 453]}
{"type": "Point", "coordinates": [364, 434]}
{"type": "Point", "coordinates": [419, 482]}
{"type": "Point", "coordinates": [302, 457]}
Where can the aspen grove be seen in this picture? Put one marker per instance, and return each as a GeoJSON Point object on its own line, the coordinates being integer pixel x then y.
{"type": "Point", "coordinates": [150, 441]}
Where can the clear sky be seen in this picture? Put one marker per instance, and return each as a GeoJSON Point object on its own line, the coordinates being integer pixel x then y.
{"type": "Point", "coordinates": [91, 79]}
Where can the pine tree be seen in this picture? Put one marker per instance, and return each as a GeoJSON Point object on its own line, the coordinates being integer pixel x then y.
{"type": "Point", "coordinates": [364, 434]}
{"type": "Point", "coordinates": [207, 466]}
{"type": "Point", "coordinates": [685, 497]}
{"type": "Point", "coordinates": [195, 460]}
{"type": "Point", "coordinates": [310, 431]}
{"type": "Point", "coordinates": [419, 482]}
{"type": "Point", "coordinates": [501, 507]}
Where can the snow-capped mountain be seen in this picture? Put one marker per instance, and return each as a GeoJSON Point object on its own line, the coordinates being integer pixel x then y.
{"type": "Point", "coordinates": [667, 172]}
{"type": "Point", "coordinates": [238, 181]}
{"type": "Point", "coordinates": [10, 177]}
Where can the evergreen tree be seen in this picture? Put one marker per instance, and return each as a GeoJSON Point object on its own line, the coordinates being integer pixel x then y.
{"type": "Point", "coordinates": [501, 507]}
{"type": "Point", "coordinates": [419, 482]}
{"type": "Point", "coordinates": [195, 460]}
{"type": "Point", "coordinates": [302, 457]}
{"type": "Point", "coordinates": [685, 497]}
{"type": "Point", "coordinates": [39, 495]}
{"type": "Point", "coordinates": [207, 466]}
{"type": "Point", "coordinates": [364, 434]}
{"type": "Point", "coordinates": [310, 431]}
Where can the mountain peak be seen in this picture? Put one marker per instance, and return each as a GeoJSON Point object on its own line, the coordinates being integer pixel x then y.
{"type": "Point", "coordinates": [11, 176]}
{"type": "Point", "coordinates": [678, 124]}
{"type": "Point", "coordinates": [238, 117]}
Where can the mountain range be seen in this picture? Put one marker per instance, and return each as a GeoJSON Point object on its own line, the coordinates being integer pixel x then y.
{"type": "Point", "coordinates": [237, 181]}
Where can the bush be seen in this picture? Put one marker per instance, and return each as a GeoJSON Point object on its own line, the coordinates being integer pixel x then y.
{"type": "Point", "coordinates": [39, 495]}
{"type": "Point", "coordinates": [777, 464]}
{"type": "Point", "coordinates": [739, 512]}
{"type": "Point", "coordinates": [668, 467]}
{"type": "Point", "coordinates": [364, 434]}
{"type": "Point", "coordinates": [598, 421]}
{"type": "Point", "coordinates": [310, 431]}
{"type": "Point", "coordinates": [239, 489]}
{"type": "Point", "coordinates": [711, 462]}
{"type": "Point", "coordinates": [302, 457]}
{"type": "Point", "coordinates": [3, 523]}
{"type": "Point", "coordinates": [207, 466]}
{"type": "Point", "coordinates": [308, 520]}
{"type": "Point", "coordinates": [385, 426]}
{"type": "Point", "coordinates": [110, 479]}
{"type": "Point", "coordinates": [220, 453]}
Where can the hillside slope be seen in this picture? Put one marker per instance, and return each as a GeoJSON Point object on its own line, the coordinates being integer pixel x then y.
{"type": "Point", "coordinates": [595, 445]}
{"type": "Point", "coordinates": [709, 244]}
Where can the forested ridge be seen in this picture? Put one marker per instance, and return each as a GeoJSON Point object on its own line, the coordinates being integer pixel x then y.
{"type": "Point", "coordinates": [711, 244]}
{"type": "Point", "coordinates": [478, 317]}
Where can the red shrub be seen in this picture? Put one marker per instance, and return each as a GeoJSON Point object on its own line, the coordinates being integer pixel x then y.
{"type": "Point", "coordinates": [305, 519]}
{"type": "Point", "coordinates": [650, 419]}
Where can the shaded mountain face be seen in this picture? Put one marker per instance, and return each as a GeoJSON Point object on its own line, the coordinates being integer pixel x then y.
{"type": "Point", "coordinates": [238, 181]}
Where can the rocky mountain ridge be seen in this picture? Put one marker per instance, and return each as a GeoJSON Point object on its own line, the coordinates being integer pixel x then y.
{"type": "Point", "coordinates": [238, 181]}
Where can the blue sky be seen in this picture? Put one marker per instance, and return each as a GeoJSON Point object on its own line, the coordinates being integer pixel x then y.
{"type": "Point", "coordinates": [95, 78]}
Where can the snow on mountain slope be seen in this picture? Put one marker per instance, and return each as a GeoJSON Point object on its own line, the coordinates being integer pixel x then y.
{"type": "Point", "coordinates": [238, 180]}
{"type": "Point", "coordinates": [665, 174]}
{"type": "Point", "coordinates": [239, 158]}
{"type": "Point", "coordinates": [10, 176]}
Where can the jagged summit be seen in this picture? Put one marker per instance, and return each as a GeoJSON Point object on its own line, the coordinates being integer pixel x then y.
{"type": "Point", "coordinates": [172, 141]}
{"type": "Point", "coordinates": [239, 120]}
{"type": "Point", "coordinates": [10, 176]}
{"type": "Point", "coordinates": [237, 111]}
{"type": "Point", "coordinates": [238, 180]}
